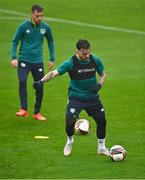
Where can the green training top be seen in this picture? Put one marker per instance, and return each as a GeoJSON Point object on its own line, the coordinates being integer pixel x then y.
{"type": "Point", "coordinates": [31, 38]}
{"type": "Point", "coordinates": [80, 86]}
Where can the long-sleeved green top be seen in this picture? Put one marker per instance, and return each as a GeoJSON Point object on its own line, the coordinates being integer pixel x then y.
{"type": "Point", "coordinates": [30, 37]}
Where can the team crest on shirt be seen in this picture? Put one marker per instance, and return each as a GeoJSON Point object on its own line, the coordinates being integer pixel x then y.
{"type": "Point", "coordinates": [42, 30]}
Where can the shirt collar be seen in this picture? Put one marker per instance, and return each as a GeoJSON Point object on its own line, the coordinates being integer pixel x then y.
{"type": "Point", "coordinates": [80, 60]}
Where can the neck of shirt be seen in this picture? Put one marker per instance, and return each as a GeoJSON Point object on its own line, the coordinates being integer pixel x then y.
{"type": "Point", "coordinates": [82, 61]}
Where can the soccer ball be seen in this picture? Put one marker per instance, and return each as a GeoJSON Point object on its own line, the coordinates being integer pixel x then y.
{"type": "Point", "coordinates": [117, 153]}
{"type": "Point", "coordinates": [82, 126]}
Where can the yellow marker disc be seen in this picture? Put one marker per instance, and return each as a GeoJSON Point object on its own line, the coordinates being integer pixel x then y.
{"type": "Point", "coordinates": [41, 137]}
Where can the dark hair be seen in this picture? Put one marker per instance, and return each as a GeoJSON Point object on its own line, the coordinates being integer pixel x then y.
{"type": "Point", "coordinates": [37, 8]}
{"type": "Point", "coordinates": [82, 43]}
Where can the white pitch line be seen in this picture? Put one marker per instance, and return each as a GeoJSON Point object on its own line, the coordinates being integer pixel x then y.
{"type": "Point", "coordinates": [97, 26]}
{"type": "Point", "coordinates": [11, 18]}
{"type": "Point", "coordinates": [13, 12]}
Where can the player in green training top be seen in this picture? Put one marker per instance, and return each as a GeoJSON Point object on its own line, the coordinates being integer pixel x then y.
{"type": "Point", "coordinates": [83, 92]}
{"type": "Point", "coordinates": [30, 34]}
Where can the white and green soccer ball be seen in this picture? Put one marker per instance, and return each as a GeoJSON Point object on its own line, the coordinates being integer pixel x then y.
{"type": "Point", "coordinates": [117, 153]}
{"type": "Point", "coordinates": [82, 126]}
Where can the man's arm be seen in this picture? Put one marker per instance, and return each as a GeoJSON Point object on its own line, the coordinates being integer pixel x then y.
{"type": "Point", "coordinates": [63, 68]}
{"type": "Point", "coordinates": [50, 43]}
{"type": "Point", "coordinates": [49, 76]}
{"type": "Point", "coordinates": [46, 78]}
{"type": "Point", "coordinates": [102, 77]}
{"type": "Point", "coordinates": [95, 89]}
{"type": "Point", "coordinates": [17, 37]}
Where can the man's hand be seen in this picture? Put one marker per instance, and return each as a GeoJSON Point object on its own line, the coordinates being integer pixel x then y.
{"type": "Point", "coordinates": [37, 84]}
{"type": "Point", "coordinates": [95, 89]}
{"type": "Point", "coordinates": [14, 63]}
{"type": "Point", "coordinates": [50, 65]}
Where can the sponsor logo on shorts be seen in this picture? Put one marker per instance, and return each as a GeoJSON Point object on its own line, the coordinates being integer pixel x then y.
{"type": "Point", "coordinates": [40, 69]}
{"type": "Point", "coordinates": [23, 65]}
{"type": "Point", "coordinates": [72, 110]}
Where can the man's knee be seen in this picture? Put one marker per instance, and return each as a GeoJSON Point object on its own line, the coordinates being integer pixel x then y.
{"type": "Point", "coordinates": [70, 121]}
{"type": "Point", "coordinates": [39, 89]}
{"type": "Point", "coordinates": [100, 120]}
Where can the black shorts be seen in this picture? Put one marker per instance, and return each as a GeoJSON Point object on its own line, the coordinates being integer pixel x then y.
{"type": "Point", "coordinates": [93, 108]}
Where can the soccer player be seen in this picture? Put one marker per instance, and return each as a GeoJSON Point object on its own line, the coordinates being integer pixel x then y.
{"type": "Point", "coordinates": [83, 92]}
{"type": "Point", "coordinates": [30, 34]}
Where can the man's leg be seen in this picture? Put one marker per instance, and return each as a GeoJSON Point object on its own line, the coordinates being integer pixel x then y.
{"type": "Point", "coordinates": [71, 116]}
{"type": "Point", "coordinates": [38, 72]}
{"type": "Point", "coordinates": [98, 114]}
{"type": "Point", "coordinates": [23, 70]}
